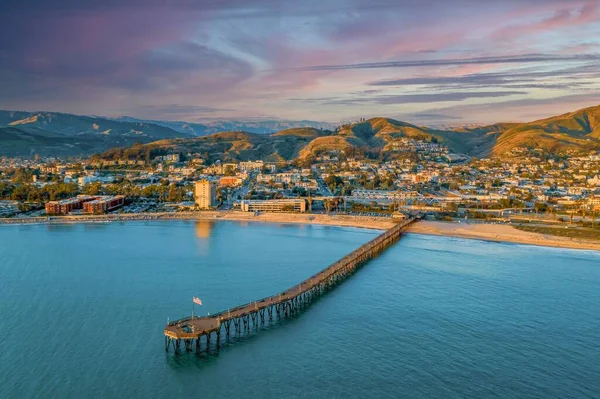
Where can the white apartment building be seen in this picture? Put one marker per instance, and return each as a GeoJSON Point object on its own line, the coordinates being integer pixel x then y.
{"type": "Point", "coordinates": [280, 205]}
{"type": "Point", "coordinates": [205, 194]}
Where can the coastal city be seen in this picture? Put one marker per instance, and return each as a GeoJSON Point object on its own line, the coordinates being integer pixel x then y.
{"type": "Point", "coordinates": [527, 186]}
{"type": "Point", "coordinates": [300, 199]}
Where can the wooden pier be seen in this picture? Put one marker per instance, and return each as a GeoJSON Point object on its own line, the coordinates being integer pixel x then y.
{"type": "Point", "coordinates": [190, 331]}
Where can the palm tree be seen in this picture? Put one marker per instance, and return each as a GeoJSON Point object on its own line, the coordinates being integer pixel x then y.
{"type": "Point", "coordinates": [335, 203]}
{"type": "Point", "coordinates": [327, 205]}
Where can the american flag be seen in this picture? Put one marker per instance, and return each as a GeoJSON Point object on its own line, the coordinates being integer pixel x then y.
{"type": "Point", "coordinates": [197, 300]}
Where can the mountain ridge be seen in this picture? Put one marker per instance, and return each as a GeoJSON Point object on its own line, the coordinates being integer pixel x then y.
{"type": "Point", "coordinates": [48, 133]}
{"type": "Point", "coordinates": [571, 130]}
{"type": "Point", "coordinates": [61, 134]}
{"type": "Point", "coordinates": [267, 126]}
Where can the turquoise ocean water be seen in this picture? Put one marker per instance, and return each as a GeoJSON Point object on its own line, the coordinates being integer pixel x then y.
{"type": "Point", "coordinates": [83, 307]}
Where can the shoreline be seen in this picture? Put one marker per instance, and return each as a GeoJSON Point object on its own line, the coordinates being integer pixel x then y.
{"type": "Point", "coordinates": [499, 233]}
{"type": "Point", "coordinates": [478, 231]}
{"type": "Point", "coordinates": [378, 223]}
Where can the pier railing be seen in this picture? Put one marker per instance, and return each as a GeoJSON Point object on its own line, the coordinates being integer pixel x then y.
{"type": "Point", "coordinates": [287, 301]}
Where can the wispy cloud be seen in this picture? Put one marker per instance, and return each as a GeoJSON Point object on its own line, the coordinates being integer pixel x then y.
{"type": "Point", "coordinates": [180, 110]}
{"type": "Point", "coordinates": [409, 98]}
{"type": "Point", "coordinates": [524, 79]}
{"type": "Point", "coordinates": [565, 17]}
{"type": "Point", "coordinates": [243, 58]}
{"type": "Point", "coordinates": [511, 59]}
{"type": "Point", "coordinates": [519, 110]}
{"type": "Point", "coordinates": [425, 117]}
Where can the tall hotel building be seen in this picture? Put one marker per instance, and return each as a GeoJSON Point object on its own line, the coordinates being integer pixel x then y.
{"type": "Point", "coordinates": [205, 194]}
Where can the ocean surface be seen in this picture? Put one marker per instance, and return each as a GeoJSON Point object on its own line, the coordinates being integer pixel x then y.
{"type": "Point", "coordinates": [83, 308]}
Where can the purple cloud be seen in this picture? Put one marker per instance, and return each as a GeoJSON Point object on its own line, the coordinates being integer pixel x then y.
{"type": "Point", "coordinates": [243, 58]}
{"type": "Point", "coordinates": [511, 59]}
{"type": "Point", "coordinates": [416, 98]}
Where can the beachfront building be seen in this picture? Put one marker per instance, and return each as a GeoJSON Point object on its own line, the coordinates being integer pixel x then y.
{"type": "Point", "coordinates": [87, 203]}
{"type": "Point", "coordinates": [205, 194]}
{"type": "Point", "coordinates": [66, 206]}
{"type": "Point", "coordinates": [280, 205]}
{"type": "Point", "coordinates": [103, 204]}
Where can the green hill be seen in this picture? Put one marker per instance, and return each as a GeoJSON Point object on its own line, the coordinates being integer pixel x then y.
{"type": "Point", "coordinates": [238, 146]}
{"type": "Point", "coordinates": [379, 134]}
{"type": "Point", "coordinates": [48, 133]}
{"type": "Point", "coordinates": [305, 132]}
{"type": "Point", "coordinates": [322, 144]}
{"type": "Point", "coordinates": [574, 130]}
{"type": "Point", "coordinates": [376, 136]}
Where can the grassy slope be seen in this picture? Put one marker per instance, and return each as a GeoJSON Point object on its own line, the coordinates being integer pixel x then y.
{"type": "Point", "coordinates": [576, 129]}
{"type": "Point", "coordinates": [573, 232]}
{"type": "Point", "coordinates": [51, 133]}
{"type": "Point", "coordinates": [244, 145]}
{"type": "Point", "coordinates": [19, 142]}
{"type": "Point", "coordinates": [306, 132]}
{"type": "Point", "coordinates": [572, 130]}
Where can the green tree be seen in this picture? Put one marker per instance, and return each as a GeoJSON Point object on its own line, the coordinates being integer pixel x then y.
{"type": "Point", "coordinates": [94, 188]}
{"type": "Point", "coordinates": [173, 195]}
{"type": "Point", "coordinates": [540, 207]}
{"type": "Point", "coordinates": [327, 204]}
{"type": "Point", "coordinates": [333, 181]}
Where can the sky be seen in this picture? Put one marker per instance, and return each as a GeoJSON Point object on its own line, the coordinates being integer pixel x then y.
{"type": "Point", "coordinates": [429, 62]}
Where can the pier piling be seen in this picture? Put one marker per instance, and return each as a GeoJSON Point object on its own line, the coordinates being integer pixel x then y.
{"type": "Point", "coordinates": [284, 304]}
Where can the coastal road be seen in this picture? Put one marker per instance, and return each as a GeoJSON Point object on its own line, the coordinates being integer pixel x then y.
{"type": "Point", "coordinates": [322, 186]}
{"type": "Point", "coordinates": [242, 190]}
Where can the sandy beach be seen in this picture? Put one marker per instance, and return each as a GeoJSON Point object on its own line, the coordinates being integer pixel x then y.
{"type": "Point", "coordinates": [480, 231]}
{"type": "Point", "coordinates": [380, 223]}
{"type": "Point", "coordinates": [499, 233]}
{"type": "Point", "coordinates": [330, 220]}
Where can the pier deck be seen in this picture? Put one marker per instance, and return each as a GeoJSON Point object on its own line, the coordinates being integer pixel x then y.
{"type": "Point", "coordinates": [286, 303]}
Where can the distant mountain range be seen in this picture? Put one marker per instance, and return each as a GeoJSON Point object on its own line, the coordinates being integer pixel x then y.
{"type": "Point", "coordinates": [216, 126]}
{"type": "Point", "coordinates": [375, 136]}
{"type": "Point", "coordinates": [50, 133]}
{"type": "Point", "coordinates": [60, 134]}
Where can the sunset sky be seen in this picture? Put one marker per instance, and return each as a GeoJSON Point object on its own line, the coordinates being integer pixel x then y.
{"type": "Point", "coordinates": [426, 62]}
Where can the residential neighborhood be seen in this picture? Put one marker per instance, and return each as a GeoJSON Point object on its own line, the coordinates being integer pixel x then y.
{"type": "Point", "coordinates": [425, 176]}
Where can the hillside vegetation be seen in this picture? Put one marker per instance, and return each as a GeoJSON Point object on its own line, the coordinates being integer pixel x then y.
{"type": "Point", "coordinates": [579, 129]}
{"type": "Point", "coordinates": [23, 133]}
{"type": "Point", "coordinates": [237, 146]}
{"type": "Point", "coordinates": [52, 133]}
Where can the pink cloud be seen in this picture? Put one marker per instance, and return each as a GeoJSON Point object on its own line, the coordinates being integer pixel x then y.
{"type": "Point", "coordinates": [207, 53]}
{"type": "Point", "coordinates": [461, 70]}
{"type": "Point", "coordinates": [577, 16]}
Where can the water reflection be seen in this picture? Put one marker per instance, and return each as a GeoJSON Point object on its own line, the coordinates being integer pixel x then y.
{"type": "Point", "coordinates": [58, 227]}
{"type": "Point", "coordinates": [98, 226]}
{"type": "Point", "coordinates": [204, 228]}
